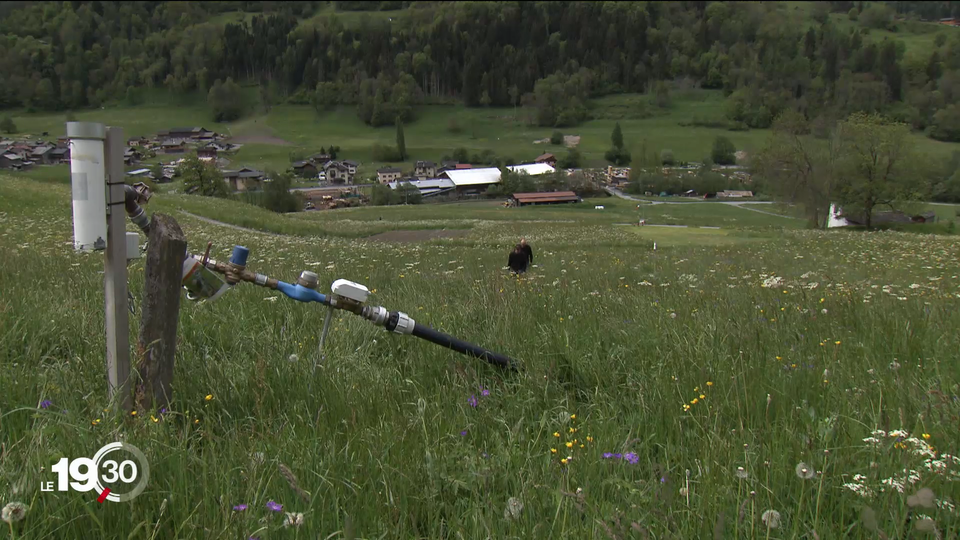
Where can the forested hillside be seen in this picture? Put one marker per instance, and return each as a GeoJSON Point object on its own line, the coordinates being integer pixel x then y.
{"type": "Point", "coordinates": [824, 59]}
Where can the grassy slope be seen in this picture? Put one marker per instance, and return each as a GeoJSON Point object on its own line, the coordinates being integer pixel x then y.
{"type": "Point", "coordinates": [384, 437]}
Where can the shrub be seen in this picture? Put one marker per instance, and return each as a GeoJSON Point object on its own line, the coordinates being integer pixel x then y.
{"type": "Point", "coordinates": [556, 137]}
{"type": "Point", "coordinates": [666, 157]}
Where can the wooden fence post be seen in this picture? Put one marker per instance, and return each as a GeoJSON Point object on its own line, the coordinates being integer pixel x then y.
{"type": "Point", "coordinates": [166, 251]}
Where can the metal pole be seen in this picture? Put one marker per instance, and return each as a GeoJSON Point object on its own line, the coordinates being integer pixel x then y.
{"type": "Point", "coordinates": [115, 276]}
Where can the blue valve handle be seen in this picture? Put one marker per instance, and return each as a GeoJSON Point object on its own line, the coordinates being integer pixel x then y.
{"type": "Point", "coordinates": [300, 293]}
{"type": "Point", "coordinates": [239, 255]}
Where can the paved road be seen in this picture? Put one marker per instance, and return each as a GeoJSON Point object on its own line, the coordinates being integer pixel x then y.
{"type": "Point", "coordinates": [738, 204]}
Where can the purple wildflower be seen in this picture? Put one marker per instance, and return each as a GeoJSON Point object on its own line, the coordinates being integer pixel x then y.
{"type": "Point", "coordinates": [45, 403]}
{"type": "Point", "coordinates": [163, 410]}
{"type": "Point", "coordinates": [484, 392]}
{"type": "Point", "coordinates": [239, 508]}
{"type": "Point", "coordinates": [631, 458]}
{"type": "Point", "coordinates": [473, 400]}
{"type": "Point", "coordinates": [274, 506]}
{"type": "Point", "coordinates": [607, 455]}
{"type": "Point", "coordinates": [463, 433]}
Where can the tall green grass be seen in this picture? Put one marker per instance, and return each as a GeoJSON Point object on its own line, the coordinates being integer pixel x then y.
{"type": "Point", "coordinates": [715, 385]}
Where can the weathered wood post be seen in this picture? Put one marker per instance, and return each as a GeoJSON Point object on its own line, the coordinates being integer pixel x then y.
{"type": "Point", "coordinates": [115, 276]}
{"type": "Point", "coordinates": [166, 251]}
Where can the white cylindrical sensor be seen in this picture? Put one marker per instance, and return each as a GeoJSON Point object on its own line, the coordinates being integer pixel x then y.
{"type": "Point", "coordinates": [88, 180]}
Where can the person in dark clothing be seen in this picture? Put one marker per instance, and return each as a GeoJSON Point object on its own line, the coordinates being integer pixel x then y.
{"type": "Point", "coordinates": [527, 250]}
{"type": "Point", "coordinates": [518, 260]}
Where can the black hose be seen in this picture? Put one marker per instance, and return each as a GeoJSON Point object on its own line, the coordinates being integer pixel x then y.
{"type": "Point", "coordinates": [450, 342]}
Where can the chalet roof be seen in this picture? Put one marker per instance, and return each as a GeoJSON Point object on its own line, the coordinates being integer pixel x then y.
{"type": "Point", "coordinates": [473, 177]}
{"type": "Point", "coordinates": [389, 170]}
{"type": "Point", "coordinates": [434, 183]}
{"type": "Point", "coordinates": [302, 164]}
{"type": "Point", "coordinates": [425, 164]}
{"type": "Point", "coordinates": [533, 169]}
{"type": "Point", "coordinates": [544, 197]}
{"type": "Point", "coordinates": [545, 157]}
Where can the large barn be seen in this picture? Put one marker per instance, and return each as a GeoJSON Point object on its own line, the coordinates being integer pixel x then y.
{"type": "Point", "coordinates": [551, 197]}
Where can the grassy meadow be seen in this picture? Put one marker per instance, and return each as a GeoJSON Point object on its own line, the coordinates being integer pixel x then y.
{"type": "Point", "coordinates": [271, 139]}
{"type": "Point", "coordinates": [726, 382]}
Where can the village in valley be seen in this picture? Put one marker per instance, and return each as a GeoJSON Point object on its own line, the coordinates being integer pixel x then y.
{"type": "Point", "coordinates": [326, 182]}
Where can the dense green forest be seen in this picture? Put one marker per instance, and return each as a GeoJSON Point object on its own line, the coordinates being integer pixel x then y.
{"type": "Point", "coordinates": [552, 57]}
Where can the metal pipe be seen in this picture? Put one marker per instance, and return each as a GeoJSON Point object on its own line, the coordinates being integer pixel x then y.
{"type": "Point", "coordinates": [400, 323]}
{"type": "Point", "coordinates": [131, 203]}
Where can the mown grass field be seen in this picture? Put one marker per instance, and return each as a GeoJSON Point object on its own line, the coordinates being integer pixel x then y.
{"type": "Point", "coordinates": [731, 379]}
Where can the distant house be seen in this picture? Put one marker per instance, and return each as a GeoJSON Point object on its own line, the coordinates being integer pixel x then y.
{"type": "Point", "coordinates": [11, 161]}
{"type": "Point", "coordinates": [319, 159]}
{"type": "Point", "coordinates": [139, 173]}
{"type": "Point", "coordinates": [208, 152]}
{"type": "Point", "coordinates": [41, 154]}
{"type": "Point", "coordinates": [425, 169]}
{"type": "Point", "coordinates": [388, 174]}
{"type": "Point", "coordinates": [351, 166]}
{"type": "Point", "coordinates": [532, 169]}
{"type": "Point", "coordinates": [131, 155]}
{"type": "Point", "coordinates": [473, 181]}
{"type": "Point", "coordinates": [555, 197]}
{"type": "Point", "coordinates": [950, 21]}
{"type": "Point", "coordinates": [338, 172]}
{"type": "Point", "coordinates": [244, 179]}
{"type": "Point", "coordinates": [188, 133]}
{"type": "Point", "coordinates": [547, 158]}
{"type": "Point", "coordinates": [305, 169]}
{"type": "Point", "coordinates": [428, 188]}
{"type": "Point", "coordinates": [172, 146]}
{"type": "Point", "coordinates": [60, 155]}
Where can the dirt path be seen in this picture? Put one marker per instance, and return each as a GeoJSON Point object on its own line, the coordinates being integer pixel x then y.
{"type": "Point", "coordinates": [228, 225]}
{"type": "Point", "coordinates": [419, 235]}
{"type": "Point", "coordinates": [739, 204]}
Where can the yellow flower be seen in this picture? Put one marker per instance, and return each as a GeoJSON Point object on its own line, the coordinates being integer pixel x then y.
{"type": "Point", "coordinates": [573, 417]}
{"type": "Point", "coordinates": [572, 430]}
{"type": "Point", "coordinates": [569, 445]}
{"type": "Point", "coordinates": [553, 450]}
{"type": "Point", "coordinates": [581, 446]}
{"type": "Point", "coordinates": [686, 407]}
{"type": "Point", "coordinates": [564, 461]}
{"type": "Point", "coordinates": [133, 413]}
{"type": "Point", "coordinates": [778, 358]}
{"type": "Point", "coordinates": [836, 342]}
{"type": "Point", "coordinates": [95, 422]}
{"type": "Point", "coordinates": [926, 436]}
{"type": "Point", "coordinates": [196, 421]}
{"type": "Point", "coordinates": [556, 434]}
{"type": "Point", "coordinates": [590, 439]}
{"type": "Point", "coordinates": [703, 396]}
{"type": "Point", "coordinates": [694, 402]}
{"type": "Point", "coordinates": [209, 397]}
{"type": "Point", "coordinates": [709, 383]}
